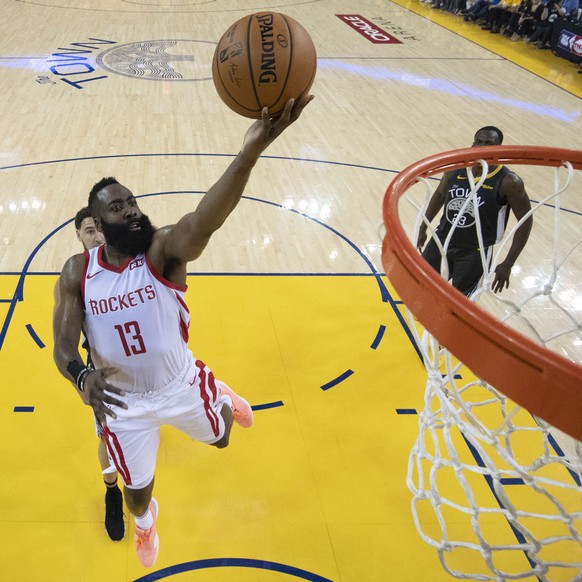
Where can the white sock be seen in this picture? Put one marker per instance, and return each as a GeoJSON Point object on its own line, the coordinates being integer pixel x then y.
{"type": "Point", "coordinates": [145, 521]}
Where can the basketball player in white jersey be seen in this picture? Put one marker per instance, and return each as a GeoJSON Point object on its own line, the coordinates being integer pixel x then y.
{"type": "Point", "coordinates": [501, 191]}
{"type": "Point", "coordinates": [128, 295]}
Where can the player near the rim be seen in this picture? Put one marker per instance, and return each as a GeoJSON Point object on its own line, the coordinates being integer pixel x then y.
{"type": "Point", "coordinates": [128, 297]}
{"type": "Point", "coordinates": [501, 191]}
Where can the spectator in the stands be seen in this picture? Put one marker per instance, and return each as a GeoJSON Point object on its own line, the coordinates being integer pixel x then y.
{"type": "Point", "coordinates": [571, 8]}
{"type": "Point", "coordinates": [479, 10]}
{"type": "Point", "coordinates": [498, 16]}
{"type": "Point", "coordinates": [522, 23]}
{"type": "Point", "coordinates": [542, 34]}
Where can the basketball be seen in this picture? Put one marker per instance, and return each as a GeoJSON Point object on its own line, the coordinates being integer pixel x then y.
{"type": "Point", "coordinates": [263, 60]}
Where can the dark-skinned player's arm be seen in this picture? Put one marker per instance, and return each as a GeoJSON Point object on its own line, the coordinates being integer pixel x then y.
{"type": "Point", "coordinates": [188, 238]}
{"type": "Point", "coordinates": [513, 189]}
{"type": "Point", "coordinates": [91, 385]}
{"type": "Point", "coordinates": [436, 202]}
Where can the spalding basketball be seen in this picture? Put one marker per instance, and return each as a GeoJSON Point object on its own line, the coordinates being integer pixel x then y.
{"type": "Point", "coordinates": [263, 60]}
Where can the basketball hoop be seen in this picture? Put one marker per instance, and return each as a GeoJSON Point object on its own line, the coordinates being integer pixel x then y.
{"type": "Point", "coordinates": [488, 367]}
{"type": "Point", "coordinates": [542, 381]}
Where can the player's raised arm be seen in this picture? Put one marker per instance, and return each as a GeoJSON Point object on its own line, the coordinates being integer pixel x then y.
{"type": "Point", "coordinates": [190, 235]}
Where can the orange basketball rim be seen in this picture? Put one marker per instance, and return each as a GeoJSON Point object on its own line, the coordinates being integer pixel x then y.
{"type": "Point", "coordinates": [542, 381]}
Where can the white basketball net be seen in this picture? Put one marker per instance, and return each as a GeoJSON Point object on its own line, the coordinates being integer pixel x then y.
{"type": "Point", "coordinates": [496, 491]}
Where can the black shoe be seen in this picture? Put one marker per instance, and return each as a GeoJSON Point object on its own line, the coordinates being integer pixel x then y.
{"type": "Point", "coordinates": [114, 523]}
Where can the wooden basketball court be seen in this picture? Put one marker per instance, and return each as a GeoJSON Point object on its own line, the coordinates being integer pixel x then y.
{"type": "Point", "coordinates": [289, 304]}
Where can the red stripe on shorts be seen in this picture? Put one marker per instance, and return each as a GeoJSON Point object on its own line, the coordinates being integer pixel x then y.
{"type": "Point", "coordinates": [207, 385]}
{"type": "Point", "coordinates": [116, 454]}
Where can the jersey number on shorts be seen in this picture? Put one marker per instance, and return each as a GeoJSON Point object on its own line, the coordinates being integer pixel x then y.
{"type": "Point", "coordinates": [131, 338]}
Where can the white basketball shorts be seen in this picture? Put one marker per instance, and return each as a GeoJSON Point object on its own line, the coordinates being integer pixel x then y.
{"type": "Point", "coordinates": [191, 404]}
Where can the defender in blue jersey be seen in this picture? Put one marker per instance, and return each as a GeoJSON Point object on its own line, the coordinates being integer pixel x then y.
{"type": "Point", "coordinates": [501, 191]}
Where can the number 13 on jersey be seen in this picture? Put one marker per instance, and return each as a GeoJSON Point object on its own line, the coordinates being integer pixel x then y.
{"type": "Point", "coordinates": [131, 338]}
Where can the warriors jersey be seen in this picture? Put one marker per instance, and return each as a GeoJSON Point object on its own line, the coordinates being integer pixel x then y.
{"type": "Point", "coordinates": [493, 210]}
{"type": "Point", "coordinates": [135, 321]}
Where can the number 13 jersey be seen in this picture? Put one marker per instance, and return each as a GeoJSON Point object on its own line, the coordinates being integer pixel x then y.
{"type": "Point", "coordinates": [135, 321]}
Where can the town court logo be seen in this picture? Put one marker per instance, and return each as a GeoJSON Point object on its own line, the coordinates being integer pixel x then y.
{"type": "Point", "coordinates": [160, 60]}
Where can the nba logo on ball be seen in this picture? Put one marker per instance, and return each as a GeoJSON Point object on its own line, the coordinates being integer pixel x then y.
{"type": "Point", "coordinates": [263, 60]}
{"type": "Point", "coordinates": [230, 52]}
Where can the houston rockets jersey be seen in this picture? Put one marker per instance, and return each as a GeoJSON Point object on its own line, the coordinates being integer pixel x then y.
{"type": "Point", "coordinates": [493, 210]}
{"type": "Point", "coordinates": [136, 321]}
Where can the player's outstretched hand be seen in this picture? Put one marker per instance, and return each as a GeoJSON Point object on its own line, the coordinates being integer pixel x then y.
{"type": "Point", "coordinates": [266, 130]}
{"type": "Point", "coordinates": [501, 280]}
{"type": "Point", "coordinates": [98, 393]}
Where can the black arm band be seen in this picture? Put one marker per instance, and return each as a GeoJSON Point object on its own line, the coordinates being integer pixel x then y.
{"type": "Point", "coordinates": [78, 371]}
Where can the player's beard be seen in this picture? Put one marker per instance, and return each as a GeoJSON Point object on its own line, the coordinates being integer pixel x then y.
{"type": "Point", "coordinates": [126, 241]}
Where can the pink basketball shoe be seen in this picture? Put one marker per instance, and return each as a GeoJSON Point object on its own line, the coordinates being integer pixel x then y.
{"type": "Point", "coordinates": [146, 541]}
{"type": "Point", "coordinates": [243, 413]}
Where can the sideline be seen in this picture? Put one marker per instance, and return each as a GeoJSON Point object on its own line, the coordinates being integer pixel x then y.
{"type": "Point", "coordinates": [556, 70]}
